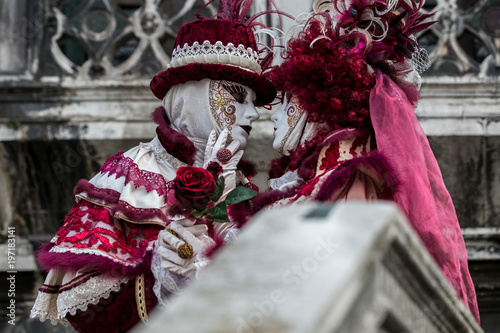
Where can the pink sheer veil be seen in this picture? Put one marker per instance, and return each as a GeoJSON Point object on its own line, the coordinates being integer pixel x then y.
{"type": "Point", "coordinates": [423, 195]}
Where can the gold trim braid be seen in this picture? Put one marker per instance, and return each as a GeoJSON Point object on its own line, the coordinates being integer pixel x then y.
{"type": "Point", "coordinates": [140, 298]}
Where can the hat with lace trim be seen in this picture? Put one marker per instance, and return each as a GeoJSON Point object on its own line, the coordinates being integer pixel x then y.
{"type": "Point", "coordinates": [223, 47]}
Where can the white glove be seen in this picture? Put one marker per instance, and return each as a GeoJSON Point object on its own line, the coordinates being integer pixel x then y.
{"type": "Point", "coordinates": [229, 168]}
{"type": "Point", "coordinates": [189, 225]}
{"type": "Point", "coordinates": [168, 246]}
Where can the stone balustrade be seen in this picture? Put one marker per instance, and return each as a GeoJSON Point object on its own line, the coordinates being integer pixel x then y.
{"type": "Point", "coordinates": [352, 267]}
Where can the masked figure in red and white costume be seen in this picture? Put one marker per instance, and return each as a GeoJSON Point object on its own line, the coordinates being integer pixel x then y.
{"type": "Point", "coordinates": [113, 259]}
{"type": "Point", "coordinates": [347, 127]}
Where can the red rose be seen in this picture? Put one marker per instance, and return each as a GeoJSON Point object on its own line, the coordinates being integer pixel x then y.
{"type": "Point", "coordinates": [215, 169]}
{"type": "Point", "coordinates": [194, 187]}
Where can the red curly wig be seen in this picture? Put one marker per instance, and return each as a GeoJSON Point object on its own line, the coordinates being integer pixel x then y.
{"type": "Point", "coordinates": [328, 74]}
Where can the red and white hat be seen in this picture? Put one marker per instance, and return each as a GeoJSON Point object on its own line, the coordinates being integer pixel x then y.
{"type": "Point", "coordinates": [223, 48]}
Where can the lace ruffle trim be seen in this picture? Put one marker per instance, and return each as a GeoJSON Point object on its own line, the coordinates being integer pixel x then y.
{"type": "Point", "coordinates": [166, 284]}
{"type": "Point", "coordinates": [122, 209]}
{"type": "Point", "coordinates": [289, 180]}
{"type": "Point", "coordinates": [218, 48]}
{"type": "Point", "coordinates": [58, 249]}
{"type": "Point", "coordinates": [217, 53]}
{"type": "Point", "coordinates": [93, 291]}
{"type": "Point", "coordinates": [76, 299]}
{"type": "Point", "coordinates": [122, 166]}
{"type": "Point", "coordinates": [51, 314]}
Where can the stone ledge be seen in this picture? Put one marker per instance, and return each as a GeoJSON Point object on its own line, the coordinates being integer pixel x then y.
{"type": "Point", "coordinates": [84, 130]}
{"type": "Point", "coordinates": [352, 267]}
{"type": "Point", "coordinates": [449, 107]}
{"type": "Point", "coordinates": [482, 243]}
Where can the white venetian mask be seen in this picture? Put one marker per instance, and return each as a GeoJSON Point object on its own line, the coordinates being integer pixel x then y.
{"type": "Point", "coordinates": [321, 6]}
{"type": "Point", "coordinates": [232, 106]}
{"type": "Point", "coordinates": [289, 121]}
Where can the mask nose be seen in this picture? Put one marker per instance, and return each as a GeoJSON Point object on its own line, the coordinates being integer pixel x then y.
{"type": "Point", "coordinates": [278, 114]}
{"type": "Point", "coordinates": [274, 116]}
{"type": "Point", "coordinates": [252, 114]}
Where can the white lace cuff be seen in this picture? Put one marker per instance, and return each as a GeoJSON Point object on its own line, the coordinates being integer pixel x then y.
{"type": "Point", "coordinates": [56, 306]}
{"type": "Point", "coordinates": [288, 180]}
{"type": "Point", "coordinates": [166, 283]}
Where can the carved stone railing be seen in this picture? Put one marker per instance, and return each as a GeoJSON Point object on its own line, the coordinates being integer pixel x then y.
{"type": "Point", "coordinates": [80, 69]}
{"type": "Point", "coordinates": [66, 66]}
{"type": "Point", "coordinates": [96, 39]}
{"type": "Point", "coordinates": [466, 39]}
{"type": "Point", "coordinates": [345, 268]}
{"type": "Point", "coordinates": [461, 90]}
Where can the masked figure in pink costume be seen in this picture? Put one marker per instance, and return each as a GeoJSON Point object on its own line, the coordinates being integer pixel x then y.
{"type": "Point", "coordinates": [113, 259]}
{"type": "Point", "coordinates": [347, 127]}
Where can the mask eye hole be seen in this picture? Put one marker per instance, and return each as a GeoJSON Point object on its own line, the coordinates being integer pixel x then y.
{"type": "Point", "coordinates": [284, 97]}
{"type": "Point", "coordinates": [280, 97]}
{"type": "Point", "coordinates": [324, 6]}
{"type": "Point", "coordinates": [239, 93]}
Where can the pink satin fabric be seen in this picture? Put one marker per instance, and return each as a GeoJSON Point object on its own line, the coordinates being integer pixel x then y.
{"type": "Point", "coordinates": [423, 195]}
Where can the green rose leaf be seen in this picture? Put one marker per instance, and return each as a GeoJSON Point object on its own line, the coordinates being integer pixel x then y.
{"type": "Point", "coordinates": [239, 194]}
{"type": "Point", "coordinates": [220, 209]}
{"type": "Point", "coordinates": [218, 218]}
{"type": "Point", "coordinates": [219, 189]}
{"type": "Point", "coordinates": [199, 213]}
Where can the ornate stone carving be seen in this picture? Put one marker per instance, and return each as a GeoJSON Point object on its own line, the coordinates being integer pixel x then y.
{"type": "Point", "coordinates": [111, 39]}
{"type": "Point", "coordinates": [466, 41]}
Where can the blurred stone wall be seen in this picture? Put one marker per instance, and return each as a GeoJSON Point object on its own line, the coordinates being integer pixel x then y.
{"type": "Point", "coordinates": [74, 78]}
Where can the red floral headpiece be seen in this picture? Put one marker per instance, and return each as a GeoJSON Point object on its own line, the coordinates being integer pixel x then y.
{"type": "Point", "coordinates": [389, 24]}
{"type": "Point", "coordinates": [327, 65]}
{"type": "Point", "coordinates": [328, 74]}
